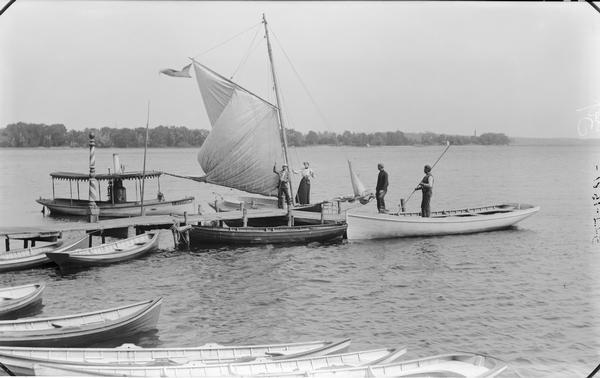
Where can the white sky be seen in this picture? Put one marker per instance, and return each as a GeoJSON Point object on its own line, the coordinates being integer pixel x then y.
{"type": "Point", "coordinates": [521, 69]}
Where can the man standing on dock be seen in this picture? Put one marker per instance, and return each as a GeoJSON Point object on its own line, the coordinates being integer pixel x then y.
{"type": "Point", "coordinates": [284, 186]}
{"type": "Point", "coordinates": [381, 188]}
{"type": "Point", "coordinates": [426, 187]}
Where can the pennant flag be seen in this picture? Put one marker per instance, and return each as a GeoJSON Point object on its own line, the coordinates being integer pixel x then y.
{"type": "Point", "coordinates": [185, 71]}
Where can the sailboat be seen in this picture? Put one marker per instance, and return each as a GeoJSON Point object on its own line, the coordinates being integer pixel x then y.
{"type": "Point", "coordinates": [247, 137]}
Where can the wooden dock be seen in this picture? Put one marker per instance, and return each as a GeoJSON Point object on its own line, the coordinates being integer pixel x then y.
{"type": "Point", "coordinates": [120, 226]}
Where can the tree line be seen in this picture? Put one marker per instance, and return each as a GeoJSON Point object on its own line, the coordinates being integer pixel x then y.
{"type": "Point", "coordinates": [56, 135]}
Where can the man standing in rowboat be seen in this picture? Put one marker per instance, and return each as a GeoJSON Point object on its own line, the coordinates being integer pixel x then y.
{"type": "Point", "coordinates": [426, 187]}
{"type": "Point", "coordinates": [381, 188]}
{"type": "Point", "coordinates": [283, 189]}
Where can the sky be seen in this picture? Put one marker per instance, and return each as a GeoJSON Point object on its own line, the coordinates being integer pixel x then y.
{"type": "Point", "coordinates": [524, 69]}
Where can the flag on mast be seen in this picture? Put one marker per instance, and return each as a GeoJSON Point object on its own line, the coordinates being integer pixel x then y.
{"type": "Point", "coordinates": [184, 72]}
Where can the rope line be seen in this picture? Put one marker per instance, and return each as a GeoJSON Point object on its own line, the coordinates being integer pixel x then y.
{"type": "Point", "coordinates": [228, 40]}
{"type": "Point", "coordinates": [250, 50]}
{"type": "Point", "coordinates": [321, 114]}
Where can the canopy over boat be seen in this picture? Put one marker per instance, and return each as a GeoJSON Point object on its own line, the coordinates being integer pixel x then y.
{"type": "Point", "coordinates": [134, 175]}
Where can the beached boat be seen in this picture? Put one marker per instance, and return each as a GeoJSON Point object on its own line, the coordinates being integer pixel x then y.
{"type": "Point", "coordinates": [108, 253]}
{"type": "Point", "coordinates": [81, 329]}
{"type": "Point", "coordinates": [21, 360]}
{"type": "Point", "coordinates": [201, 235]}
{"type": "Point", "coordinates": [19, 299]}
{"type": "Point", "coordinates": [254, 368]}
{"type": "Point", "coordinates": [449, 365]}
{"type": "Point", "coordinates": [449, 222]}
{"type": "Point", "coordinates": [116, 204]}
{"type": "Point", "coordinates": [35, 256]}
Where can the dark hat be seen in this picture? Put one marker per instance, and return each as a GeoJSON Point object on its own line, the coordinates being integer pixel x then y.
{"type": "Point", "coordinates": [427, 168]}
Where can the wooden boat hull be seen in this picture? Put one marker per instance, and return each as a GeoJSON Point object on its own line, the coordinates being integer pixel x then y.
{"type": "Point", "coordinates": [82, 329]}
{"type": "Point", "coordinates": [201, 235]}
{"type": "Point", "coordinates": [233, 204]}
{"type": "Point", "coordinates": [19, 299]}
{"type": "Point", "coordinates": [65, 206]}
{"type": "Point", "coordinates": [451, 365]}
{"type": "Point", "coordinates": [27, 257]}
{"type": "Point", "coordinates": [21, 360]}
{"type": "Point", "coordinates": [106, 254]}
{"type": "Point", "coordinates": [461, 221]}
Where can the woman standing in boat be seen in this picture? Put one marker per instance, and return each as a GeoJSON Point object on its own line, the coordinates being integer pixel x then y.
{"type": "Point", "coordinates": [426, 187]}
{"type": "Point", "coordinates": [303, 194]}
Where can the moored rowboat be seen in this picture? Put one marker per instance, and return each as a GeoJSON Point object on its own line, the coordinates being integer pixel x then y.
{"type": "Point", "coordinates": [255, 368]}
{"type": "Point", "coordinates": [108, 253]}
{"type": "Point", "coordinates": [21, 360]}
{"type": "Point", "coordinates": [34, 256]}
{"type": "Point", "coordinates": [20, 298]}
{"type": "Point", "coordinates": [81, 329]}
{"type": "Point", "coordinates": [449, 222]}
{"type": "Point", "coordinates": [449, 365]}
{"type": "Point", "coordinates": [200, 235]}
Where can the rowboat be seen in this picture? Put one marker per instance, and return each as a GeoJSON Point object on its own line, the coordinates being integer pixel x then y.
{"type": "Point", "coordinates": [250, 202]}
{"type": "Point", "coordinates": [18, 299]}
{"type": "Point", "coordinates": [34, 256]}
{"type": "Point", "coordinates": [449, 365]}
{"type": "Point", "coordinates": [81, 329]}
{"type": "Point", "coordinates": [255, 368]}
{"type": "Point", "coordinates": [108, 253]}
{"type": "Point", "coordinates": [448, 222]}
{"type": "Point", "coordinates": [201, 235]}
{"type": "Point", "coordinates": [21, 360]}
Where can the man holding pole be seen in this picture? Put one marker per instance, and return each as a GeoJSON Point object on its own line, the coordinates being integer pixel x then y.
{"type": "Point", "coordinates": [426, 187]}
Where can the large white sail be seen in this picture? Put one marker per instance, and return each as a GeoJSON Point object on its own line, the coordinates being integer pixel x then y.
{"type": "Point", "coordinates": [245, 139]}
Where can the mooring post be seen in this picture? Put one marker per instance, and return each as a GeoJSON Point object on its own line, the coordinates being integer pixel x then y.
{"type": "Point", "coordinates": [244, 216]}
{"type": "Point", "coordinates": [33, 243]}
{"type": "Point", "coordinates": [25, 243]}
{"type": "Point", "coordinates": [290, 217]}
{"type": "Point", "coordinates": [185, 218]}
{"type": "Point", "coordinates": [402, 208]}
{"type": "Point", "coordinates": [90, 240]}
{"type": "Point", "coordinates": [93, 210]}
{"type": "Point", "coordinates": [322, 213]}
{"type": "Point", "coordinates": [7, 244]}
{"type": "Point", "coordinates": [103, 238]}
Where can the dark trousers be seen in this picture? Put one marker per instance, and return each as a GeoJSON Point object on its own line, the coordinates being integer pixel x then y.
{"type": "Point", "coordinates": [425, 208]}
{"type": "Point", "coordinates": [283, 191]}
{"type": "Point", "coordinates": [380, 199]}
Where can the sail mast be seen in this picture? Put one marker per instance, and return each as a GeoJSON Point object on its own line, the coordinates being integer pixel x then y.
{"type": "Point", "coordinates": [278, 103]}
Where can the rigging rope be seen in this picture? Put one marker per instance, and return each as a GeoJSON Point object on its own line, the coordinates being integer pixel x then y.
{"type": "Point", "coordinates": [247, 55]}
{"type": "Point", "coordinates": [321, 114]}
{"type": "Point", "coordinates": [228, 40]}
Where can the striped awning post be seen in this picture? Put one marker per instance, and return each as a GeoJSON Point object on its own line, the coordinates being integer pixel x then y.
{"type": "Point", "coordinates": [93, 210]}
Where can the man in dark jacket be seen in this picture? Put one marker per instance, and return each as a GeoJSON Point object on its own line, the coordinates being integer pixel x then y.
{"type": "Point", "coordinates": [381, 188]}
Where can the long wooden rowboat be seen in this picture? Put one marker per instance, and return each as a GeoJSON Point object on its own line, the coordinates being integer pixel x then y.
{"type": "Point", "coordinates": [200, 235]}
{"type": "Point", "coordinates": [21, 360]}
{"type": "Point", "coordinates": [18, 299]}
{"type": "Point", "coordinates": [35, 256]}
{"type": "Point", "coordinates": [108, 253]}
{"type": "Point", "coordinates": [256, 368]}
{"type": "Point", "coordinates": [449, 222]}
{"type": "Point", "coordinates": [81, 329]}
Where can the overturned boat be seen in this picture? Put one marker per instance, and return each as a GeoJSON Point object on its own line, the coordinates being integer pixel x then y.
{"type": "Point", "coordinates": [447, 222]}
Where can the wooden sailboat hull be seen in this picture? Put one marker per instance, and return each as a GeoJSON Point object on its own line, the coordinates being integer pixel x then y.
{"type": "Point", "coordinates": [201, 235]}
{"type": "Point", "coordinates": [65, 206]}
{"type": "Point", "coordinates": [82, 329]}
{"type": "Point", "coordinates": [109, 253]}
{"type": "Point", "coordinates": [450, 222]}
{"type": "Point", "coordinates": [21, 360]}
{"type": "Point", "coordinates": [19, 299]}
{"type": "Point", "coordinates": [254, 368]}
{"type": "Point", "coordinates": [233, 204]}
{"type": "Point", "coordinates": [450, 365]}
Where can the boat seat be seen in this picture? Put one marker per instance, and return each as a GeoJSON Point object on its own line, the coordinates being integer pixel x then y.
{"type": "Point", "coordinates": [118, 249]}
{"type": "Point", "coordinates": [140, 243]}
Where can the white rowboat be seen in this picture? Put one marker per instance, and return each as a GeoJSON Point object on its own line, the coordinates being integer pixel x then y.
{"type": "Point", "coordinates": [449, 222]}
{"type": "Point", "coordinates": [20, 298]}
{"type": "Point", "coordinates": [21, 360]}
{"type": "Point", "coordinates": [82, 329]}
{"type": "Point", "coordinates": [255, 368]}
{"type": "Point", "coordinates": [449, 365]}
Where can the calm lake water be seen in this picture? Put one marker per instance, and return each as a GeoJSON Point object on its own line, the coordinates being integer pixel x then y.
{"type": "Point", "coordinates": [527, 295]}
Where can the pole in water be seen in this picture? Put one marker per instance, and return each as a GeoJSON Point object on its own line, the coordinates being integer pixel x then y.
{"type": "Point", "coordinates": [142, 210]}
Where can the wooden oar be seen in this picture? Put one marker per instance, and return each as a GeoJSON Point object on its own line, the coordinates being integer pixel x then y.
{"type": "Point", "coordinates": [414, 190]}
